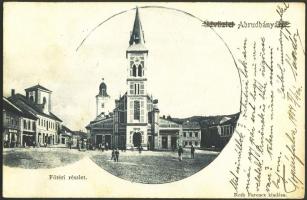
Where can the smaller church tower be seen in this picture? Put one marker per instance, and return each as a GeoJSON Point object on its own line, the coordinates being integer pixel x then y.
{"type": "Point", "coordinates": [40, 96]}
{"type": "Point", "coordinates": [102, 100]}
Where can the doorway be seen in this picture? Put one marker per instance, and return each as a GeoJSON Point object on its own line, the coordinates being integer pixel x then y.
{"type": "Point", "coordinates": [98, 140]}
{"type": "Point", "coordinates": [137, 139]}
{"type": "Point", "coordinates": [107, 140]}
{"type": "Point", "coordinates": [174, 142]}
{"type": "Point", "coordinates": [164, 142]}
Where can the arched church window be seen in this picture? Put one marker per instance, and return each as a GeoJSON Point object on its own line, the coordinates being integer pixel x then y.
{"type": "Point", "coordinates": [140, 69]}
{"type": "Point", "coordinates": [134, 70]}
{"type": "Point", "coordinates": [136, 110]}
{"type": "Point", "coordinates": [31, 98]}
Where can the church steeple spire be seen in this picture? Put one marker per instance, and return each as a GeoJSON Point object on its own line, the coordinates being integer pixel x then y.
{"type": "Point", "coordinates": [137, 35]}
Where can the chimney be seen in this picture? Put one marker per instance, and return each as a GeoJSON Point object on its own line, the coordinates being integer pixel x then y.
{"type": "Point", "coordinates": [13, 92]}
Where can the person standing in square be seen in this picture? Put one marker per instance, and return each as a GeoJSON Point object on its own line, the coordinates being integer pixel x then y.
{"type": "Point", "coordinates": [180, 152]}
{"type": "Point", "coordinates": [192, 151]}
{"type": "Point", "coordinates": [116, 155]}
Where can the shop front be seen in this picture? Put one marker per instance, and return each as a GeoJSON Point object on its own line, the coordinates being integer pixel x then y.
{"type": "Point", "coordinates": [11, 138]}
{"type": "Point", "coordinates": [28, 139]}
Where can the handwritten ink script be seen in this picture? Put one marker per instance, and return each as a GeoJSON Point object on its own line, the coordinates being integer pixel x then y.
{"type": "Point", "coordinates": [268, 139]}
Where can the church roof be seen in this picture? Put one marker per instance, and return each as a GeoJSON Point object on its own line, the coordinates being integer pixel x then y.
{"type": "Point", "coordinates": [103, 89]}
{"type": "Point", "coordinates": [137, 35]}
{"type": "Point", "coordinates": [38, 86]}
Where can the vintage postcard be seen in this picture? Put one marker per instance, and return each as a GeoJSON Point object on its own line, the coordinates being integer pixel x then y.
{"type": "Point", "coordinates": [151, 100]}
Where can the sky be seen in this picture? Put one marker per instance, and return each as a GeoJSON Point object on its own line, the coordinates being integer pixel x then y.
{"type": "Point", "coordinates": [190, 71]}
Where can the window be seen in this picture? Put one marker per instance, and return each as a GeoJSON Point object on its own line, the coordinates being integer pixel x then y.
{"type": "Point", "coordinates": [140, 70]}
{"type": "Point", "coordinates": [134, 70]}
{"type": "Point", "coordinates": [149, 117]}
{"type": "Point", "coordinates": [196, 143]}
{"type": "Point", "coordinates": [190, 143]}
{"type": "Point", "coordinates": [142, 111]}
{"type": "Point", "coordinates": [196, 134]}
{"type": "Point", "coordinates": [33, 125]}
{"type": "Point", "coordinates": [136, 110]}
{"type": "Point", "coordinates": [29, 125]}
{"type": "Point", "coordinates": [131, 88]}
{"type": "Point", "coordinates": [121, 117]}
{"type": "Point", "coordinates": [44, 100]}
{"type": "Point", "coordinates": [24, 124]}
{"type": "Point", "coordinates": [131, 111]}
{"type": "Point", "coordinates": [184, 134]}
{"type": "Point", "coordinates": [141, 88]}
{"type": "Point", "coordinates": [102, 105]}
{"type": "Point", "coordinates": [185, 143]}
{"type": "Point", "coordinates": [190, 134]}
{"type": "Point", "coordinates": [136, 88]}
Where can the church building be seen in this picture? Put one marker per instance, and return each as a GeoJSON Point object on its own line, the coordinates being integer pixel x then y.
{"type": "Point", "coordinates": [135, 119]}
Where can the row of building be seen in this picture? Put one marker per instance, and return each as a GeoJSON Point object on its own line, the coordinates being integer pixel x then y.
{"type": "Point", "coordinates": [28, 120]}
{"type": "Point", "coordinates": [134, 122]}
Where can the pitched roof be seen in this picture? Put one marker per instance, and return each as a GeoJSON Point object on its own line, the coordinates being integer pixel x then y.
{"type": "Point", "coordinates": [166, 123]}
{"type": "Point", "coordinates": [137, 35]}
{"type": "Point", "coordinates": [9, 105]}
{"type": "Point", "coordinates": [65, 131]}
{"type": "Point", "coordinates": [81, 134]}
{"type": "Point", "coordinates": [66, 128]}
{"type": "Point", "coordinates": [190, 125]}
{"type": "Point", "coordinates": [38, 86]}
{"type": "Point", "coordinates": [17, 108]}
{"type": "Point", "coordinates": [106, 123]}
{"type": "Point", "coordinates": [30, 107]}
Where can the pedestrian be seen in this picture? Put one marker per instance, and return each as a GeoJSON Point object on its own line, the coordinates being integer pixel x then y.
{"type": "Point", "coordinates": [113, 155]}
{"type": "Point", "coordinates": [180, 152]}
{"type": "Point", "coordinates": [107, 146]}
{"type": "Point", "coordinates": [82, 144]}
{"type": "Point", "coordinates": [192, 151]}
{"type": "Point", "coordinates": [102, 148]}
{"type": "Point", "coordinates": [99, 146]}
{"type": "Point", "coordinates": [116, 155]}
{"type": "Point", "coordinates": [140, 149]}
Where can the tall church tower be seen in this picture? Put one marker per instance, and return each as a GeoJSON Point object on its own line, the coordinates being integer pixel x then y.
{"type": "Point", "coordinates": [137, 117]}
